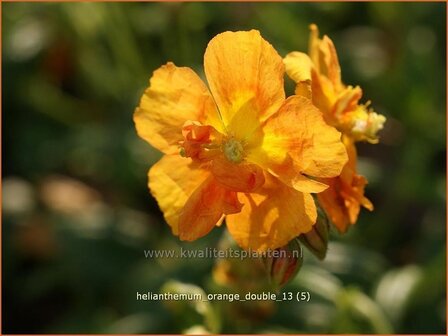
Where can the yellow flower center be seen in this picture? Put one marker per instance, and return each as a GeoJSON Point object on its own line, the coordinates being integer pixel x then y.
{"type": "Point", "coordinates": [233, 150]}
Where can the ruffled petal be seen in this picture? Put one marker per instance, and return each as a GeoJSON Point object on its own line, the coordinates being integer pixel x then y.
{"type": "Point", "coordinates": [329, 61]}
{"type": "Point", "coordinates": [296, 140]}
{"type": "Point", "coordinates": [324, 97]}
{"type": "Point", "coordinates": [199, 140]}
{"type": "Point", "coordinates": [174, 96]}
{"type": "Point", "coordinates": [343, 199]}
{"type": "Point", "coordinates": [347, 100]}
{"type": "Point", "coordinates": [298, 66]}
{"type": "Point", "coordinates": [205, 209]}
{"type": "Point", "coordinates": [333, 204]}
{"type": "Point", "coordinates": [313, 45]}
{"type": "Point", "coordinates": [324, 56]}
{"type": "Point", "coordinates": [172, 181]}
{"type": "Point", "coordinates": [245, 75]}
{"type": "Point", "coordinates": [287, 173]}
{"type": "Point", "coordinates": [271, 218]}
{"type": "Point", "coordinates": [241, 177]}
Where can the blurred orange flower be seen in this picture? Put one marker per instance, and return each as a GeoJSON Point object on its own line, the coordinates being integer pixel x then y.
{"type": "Point", "coordinates": [239, 150]}
{"type": "Point", "coordinates": [318, 76]}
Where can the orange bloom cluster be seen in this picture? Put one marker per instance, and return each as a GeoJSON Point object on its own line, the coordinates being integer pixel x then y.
{"type": "Point", "coordinates": [238, 149]}
{"type": "Point", "coordinates": [318, 77]}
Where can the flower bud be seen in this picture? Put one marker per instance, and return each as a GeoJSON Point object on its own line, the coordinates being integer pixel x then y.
{"type": "Point", "coordinates": [316, 240]}
{"type": "Point", "coordinates": [284, 263]}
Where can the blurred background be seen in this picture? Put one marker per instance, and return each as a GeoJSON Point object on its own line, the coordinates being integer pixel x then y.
{"type": "Point", "coordinates": [77, 214]}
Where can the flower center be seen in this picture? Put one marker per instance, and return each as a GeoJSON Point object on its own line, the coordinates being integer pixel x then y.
{"type": "Point", "coordinates": [233, 150]}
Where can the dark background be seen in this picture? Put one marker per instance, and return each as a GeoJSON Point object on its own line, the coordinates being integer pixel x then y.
{"type": "Point", "coordinates": [77, 214]}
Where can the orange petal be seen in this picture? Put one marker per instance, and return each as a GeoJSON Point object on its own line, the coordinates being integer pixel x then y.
{"type": "Point", "coordinates": [347, 100]}
{"type": "Point", "coordinates": [298, 67]}
{"type": "Point", "coordinates": [326, 74]}
{"type": "Point", "coordinates": [271, 218]}
{"type": "Point", "coordinates": [323, 56]}
{"type": "Point", "coordinates": [244, 70]}
{"type": "Point", "coordinates": [324, 96]}
{"type": "Point", "coordinates": [343, 199]}
{"type": "Point", "coordinates": [174, 96]}
{"type": "Point", "coordinates": [237, 177]}
{"type": "Point", "coordinates": [351, 153]}
{"type": "Point", "coordinates": [296, 140]}
{"type": "Point", "coordinates": [333, 204]}
{"type": "Point", "coordinates": [172, 181]}
{"type": "Point", "coordinates": [356, 194]}
{"type": "Point", "coordinates": [330, 58]}
{"type": "Point", "coordinates": [313, 45]}
{"type": "Point", "coordinates": [288, 175]}
{"type": "Point", "coordinates": [198, 141]}
{"type": "Point", "coordinates": [205, 209]}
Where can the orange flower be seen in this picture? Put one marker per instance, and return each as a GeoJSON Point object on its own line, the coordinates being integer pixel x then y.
{"type": "Point", "coordinates": [241, 150]}
{"type": "Point", "coordinates": [343, 199]}
{"type": "Point", "coordinates": [318, 76]}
